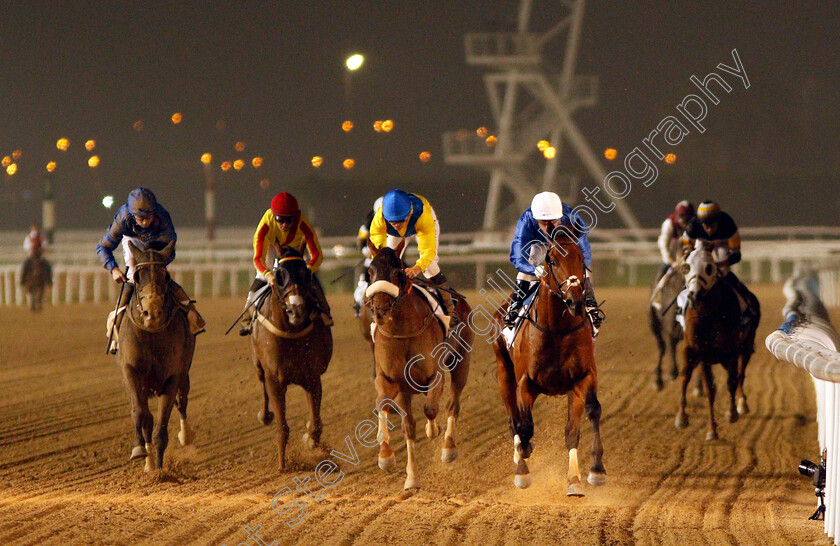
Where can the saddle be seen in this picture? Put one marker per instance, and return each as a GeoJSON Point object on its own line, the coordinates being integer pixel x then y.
{"type": "Point", "coordinates": [510, 333]}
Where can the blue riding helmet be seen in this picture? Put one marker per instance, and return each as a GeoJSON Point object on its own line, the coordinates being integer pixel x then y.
{"type": "Point", "coordinates": [396, 206]}
{"type": "Point", "coordinates": [141, 202]}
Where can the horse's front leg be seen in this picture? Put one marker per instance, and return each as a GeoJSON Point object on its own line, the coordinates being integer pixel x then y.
{"type": "Point", "coordinates": [140, 414]}
{"type": "Point", "coordinates": [690, 363]}
{"type": "Point", "coordinates": [431, 406]}
{"type": "Point", "coordinates": [314, 427]}
{"type": "Point", "coordinates": [409, 426]}
{"type": "Point", "coordinates": [161, 433]}
{"type": "Point", "coordinates": [711, 390]}
{"type": "Point", "coordinates": [277, 396]}
{"type": "Point", "coordinates": [385, 389]}
{"type": "Point", "coordinates": [597, 472]}
{"type": "Point", "coordinates": [523, 424]}
{"type": "Point", "coordinates": [576, 407]}
{"type": "Point", "coordinates": [186, 434]}
{"type": "Point", "coordinates": [264, 416]}
{"type": "Point", "coordinates": [731, 366]}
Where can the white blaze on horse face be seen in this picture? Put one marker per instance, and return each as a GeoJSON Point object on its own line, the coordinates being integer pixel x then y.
{"type": "Point", "coordinates": [702, 273]}
{"type": "Point", "coordinates": [295, 299]}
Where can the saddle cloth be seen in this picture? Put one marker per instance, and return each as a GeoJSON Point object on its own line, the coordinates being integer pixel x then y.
{"type": "Point", "coordinates": [509, 333]}
{"type": "Point", "coordinates": [434, 304]}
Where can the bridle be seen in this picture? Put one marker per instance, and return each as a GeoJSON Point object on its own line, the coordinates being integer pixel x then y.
{"type": "Point", "coordinates": [152, 266]}
{"type": "Point", "coordinates": [563, 288]}
{"type": "Point", "coordinates": [282, 301]}
{"type": "Point", "coordinates": [405, 288]}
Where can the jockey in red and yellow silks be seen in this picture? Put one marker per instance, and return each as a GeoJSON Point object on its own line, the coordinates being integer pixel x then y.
{"type": "Point", "coordinates": [284, 225]}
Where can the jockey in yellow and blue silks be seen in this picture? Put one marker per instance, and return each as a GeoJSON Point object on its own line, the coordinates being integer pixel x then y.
{"type": "Point", "coordinates": [403, 216]}
{"type": "Point", "coordinates": [546, 208]}
{"type": "Point", "coordinates": [144, 222]}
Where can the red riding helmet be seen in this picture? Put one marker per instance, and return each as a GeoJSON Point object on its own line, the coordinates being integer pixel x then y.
{"type": "Point", "coordinates": [284, 204]}
{"type": "Point", "coordinates": [684, 208]}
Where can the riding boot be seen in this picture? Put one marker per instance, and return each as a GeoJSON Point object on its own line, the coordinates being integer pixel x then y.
{"type": "Point", "coordinates": [751, 306]}
{"type": "Point", "coordinates": [248, 318]}
{"type": "Point", "coordinates": [115, 318]}
{"type": "Point", "coordinates": [596, 315]}
{"type": "Point", "coordinates": [448, 304]}
{"type": "Point", "coordinates": [195, 319]}
{"type": "Point", "coordinates": [321, 299]}
{"type": "Point", "coordinates": [519, 295]}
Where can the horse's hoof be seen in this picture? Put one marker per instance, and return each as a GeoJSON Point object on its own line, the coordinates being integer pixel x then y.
{"type": "Point", "coordinates": [575, 490]}
{"type": "Point", "coordinates": [675, 373]}
{"type": "Point", "coordinates": [697, 392]}
{"type": "Point", "coordinates": [186, 436]}
{"type": "Point", "coordinates": [659, 385]}
{"type": "Point", "coordinates": [522, 481]}
{"type": "Point", "coordinates": [265, 417]}
{"type": "Point", "coordinates": [411, 482]}
{"type": "Point", "coordinates": [432, 429]}
{"type": "Point", "coordinates": [448, 454]}
{"type": "Point", "coordinates": [732, 416]}
{"type": "Point", "coordinates": [681, 421]}
{"type": "Point", "coordinates": [711, 436]}
{"type": "Point", "coordinates": [388, 463]}
{"type": "Point", "coordinates": [596, 478]}
{"type": "Point", "coordinates": [309, 441]}
{"type": "Point", "coordinates": [150, 465]}
{"type": "Point", "coordinates": [743, 408]}
{"type": "Point", "coordinates": [139, 452]}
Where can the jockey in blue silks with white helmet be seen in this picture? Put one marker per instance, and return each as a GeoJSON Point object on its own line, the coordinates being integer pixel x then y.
{"type": "Point", "coordinates": [526, 256]}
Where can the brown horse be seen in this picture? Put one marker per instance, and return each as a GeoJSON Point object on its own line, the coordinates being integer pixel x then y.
{"type": "Point", "coordinates": [713, 334]}
{"type": "Point", "coordinates": [156, 351]}
{"type": "Point", "coordinates": [663, 324]}
{"type": "Point", "coordinates": [409, 347]}
{"type": "Point", "coordinates": [552, 355]}
{"type": "Point", "coordinates": [35, 277]}
{"type": "Point", "coordinates": [290, 345]}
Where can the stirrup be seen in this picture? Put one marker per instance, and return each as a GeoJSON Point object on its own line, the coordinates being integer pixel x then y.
{"type": "Point", "coordinates": [245, 330]}
{"type": "Point", "coordinates": [114, 347]}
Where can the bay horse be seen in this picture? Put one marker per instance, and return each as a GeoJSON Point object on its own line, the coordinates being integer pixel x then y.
{"type": "Point", "coordinates": [664, 325]}
{"type": "Point", "coordinates": [713, 334]}
{"type": "Point", "coordinates": [409, 349]}
{"type": "Point", "coordinates": [553, 354]}
{"type": "Point", "coordinates": [290, 345]}
{"type": "Point", "coordinates": [155, 355]}
{"type": "Point", "coordinates": [35, 277]}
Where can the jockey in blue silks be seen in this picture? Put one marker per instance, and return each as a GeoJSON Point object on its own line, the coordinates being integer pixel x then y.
{"type": "Point", "coordinates": [529, 246]}
{"type": "Point", "coordinates": [146, 224]}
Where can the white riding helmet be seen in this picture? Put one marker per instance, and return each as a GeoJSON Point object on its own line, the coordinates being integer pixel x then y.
{"type": "Point", "coordinates": [547, 206]}
{"type": "Point", "coordinates": [377, 204]}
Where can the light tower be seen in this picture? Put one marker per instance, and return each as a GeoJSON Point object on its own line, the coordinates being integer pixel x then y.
{"type": "Point", "coordinates": [530, 103]}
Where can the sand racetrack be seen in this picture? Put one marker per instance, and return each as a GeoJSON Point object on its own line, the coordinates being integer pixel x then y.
{"type": "Point", "coordinates": [66, 434]}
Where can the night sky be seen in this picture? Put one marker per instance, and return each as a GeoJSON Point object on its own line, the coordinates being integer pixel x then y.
{"type": "Point", "coordinates": [273, 74]}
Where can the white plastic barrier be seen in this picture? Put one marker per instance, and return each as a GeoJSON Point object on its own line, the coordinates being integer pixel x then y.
{"type": "Point", "coordinates": [808, 340]}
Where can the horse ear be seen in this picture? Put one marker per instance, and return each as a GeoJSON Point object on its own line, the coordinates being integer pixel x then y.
{"type": "Point", "coordinates": [168, 250]}
{"type": "Point", "coordinates": [399, 249]}
{"type": "Point", "coordinates": [134, 251]}
{"type": "Point", "coordinates": [373, 250]}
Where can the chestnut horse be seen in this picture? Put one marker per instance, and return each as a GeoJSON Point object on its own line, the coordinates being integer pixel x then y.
{"type": "Point", "coordinates": [713, 334]}
{"type": "Point", "coordinates": [552, 355]}
{"type": "Point", "coordinates": [290, 345]}
{"type": "Point", "coordinates": [36, 276]}
{"type": "Point", "coordinates": [156, 351]}
{"type": "Point", "coordinates": [409, 347]}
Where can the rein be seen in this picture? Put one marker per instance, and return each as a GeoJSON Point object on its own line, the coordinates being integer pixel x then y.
{"type": "Point", "coordinates": [426, 322]}
{"type": "Point", "coordinates": [281, 300]}
{"type": "Point", "coordinates": [562, 291]}
{"type": "Point", "coordinates": [139, 298]}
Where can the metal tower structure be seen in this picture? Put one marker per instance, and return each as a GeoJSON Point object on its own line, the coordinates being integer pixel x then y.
{"type": "Point", "coordinates": [530, 103]}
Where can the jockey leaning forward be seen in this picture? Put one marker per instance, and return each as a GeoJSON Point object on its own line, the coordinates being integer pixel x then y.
{"type": "Point", "coordinates": [720, 231]}
{"type": "Point", "coordinates": [402, 217]}
{"type": "Point", "coordinates": [144, 222]}
{"type": "Point", "coordinates": [34, 242]}
{"type": "Point", "coordinates": [284, 225]}
{"type": "Point", "coordinates": [546, 209]}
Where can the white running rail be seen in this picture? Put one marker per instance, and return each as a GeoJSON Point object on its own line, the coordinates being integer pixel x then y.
{"type": "Point", "coordinates": [808, 340]}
